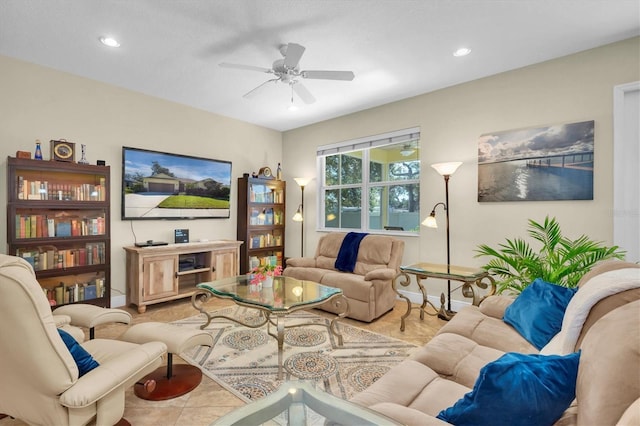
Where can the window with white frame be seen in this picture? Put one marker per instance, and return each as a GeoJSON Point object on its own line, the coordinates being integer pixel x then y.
{"type": "Point", "coordinates": [371, 184]}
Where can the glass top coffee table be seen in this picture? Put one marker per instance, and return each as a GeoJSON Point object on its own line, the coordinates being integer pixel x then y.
{"type": "Point", "coordinates": [285, 296]}
{"type": "Point", "coordinates": [296, 398]}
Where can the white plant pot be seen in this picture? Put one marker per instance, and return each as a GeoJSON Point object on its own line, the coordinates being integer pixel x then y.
{"type": "Point", "coordinates": [268, 282]}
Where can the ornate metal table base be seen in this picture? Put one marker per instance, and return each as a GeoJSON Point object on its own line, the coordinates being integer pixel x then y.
{"type": "Point", "coordinates": [472, 280]}
{"type": "Point", "coordinates": [338, 301]}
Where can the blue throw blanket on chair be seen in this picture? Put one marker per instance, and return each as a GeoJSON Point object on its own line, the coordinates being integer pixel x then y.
{"type": "Point", "coordinates": [346, 260]}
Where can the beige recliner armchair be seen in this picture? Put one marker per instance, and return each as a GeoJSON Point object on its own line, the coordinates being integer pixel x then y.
{"type": "Point", "coordinates": [40, 380]}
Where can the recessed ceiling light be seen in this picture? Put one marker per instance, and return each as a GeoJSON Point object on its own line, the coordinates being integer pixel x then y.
{"type": "Point", "coordinates": [109, 41]}
{"type": "Point", "coordinates": [463, 51]}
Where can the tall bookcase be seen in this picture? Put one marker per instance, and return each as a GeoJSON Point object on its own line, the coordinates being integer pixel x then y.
{"type": "Point", "coordinates": [261, 210]}
{"type": "Point", "coordinates": [58, 220]}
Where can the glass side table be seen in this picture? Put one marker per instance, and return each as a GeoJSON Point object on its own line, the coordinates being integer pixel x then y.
{"type": "Point", "coordinates": [298, 398]}
{"type": "Point", "coordinates": [472, 280]}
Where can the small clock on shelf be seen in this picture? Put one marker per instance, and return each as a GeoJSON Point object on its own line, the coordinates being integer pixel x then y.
{"type": "Point", "coordinates": [265, 173]}
{"type": "Point", "coordinates": [63, 151]}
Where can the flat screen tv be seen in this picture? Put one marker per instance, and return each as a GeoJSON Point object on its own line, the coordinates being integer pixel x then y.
{"type": "Point", "coordinates": [160, 185]}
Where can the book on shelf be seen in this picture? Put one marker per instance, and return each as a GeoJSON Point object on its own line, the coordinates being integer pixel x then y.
{"type": "Point", "coordinates": [45, 190]}
{"type": "Point", "coordinates": [90, 291]}
{"type": "Point", "coordinates": [42, 226]}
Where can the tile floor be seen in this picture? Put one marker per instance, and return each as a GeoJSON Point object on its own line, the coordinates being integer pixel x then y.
{"type": "Point", "coordinates": [209, 401]}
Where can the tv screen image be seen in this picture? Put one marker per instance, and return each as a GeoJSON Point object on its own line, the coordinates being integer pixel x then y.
{"type": "Point", "coordinates": [161, 185]}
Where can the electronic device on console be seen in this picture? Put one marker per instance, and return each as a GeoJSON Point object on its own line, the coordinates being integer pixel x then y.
{"type": "Point", "coordinates": [151, 243]}
{"type": "Point", "coordinates": [181, 236]}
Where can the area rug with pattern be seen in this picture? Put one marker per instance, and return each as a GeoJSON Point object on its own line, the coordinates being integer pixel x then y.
{"type": "Point", "coordinates": [244, 360]}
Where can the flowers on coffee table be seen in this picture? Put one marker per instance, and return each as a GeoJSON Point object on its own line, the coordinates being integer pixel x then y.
{"type": "Point", "coordinates": [260, 273]}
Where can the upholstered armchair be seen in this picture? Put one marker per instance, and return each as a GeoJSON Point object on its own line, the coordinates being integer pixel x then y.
{"type": "Point", "coordinates": [40, 382]}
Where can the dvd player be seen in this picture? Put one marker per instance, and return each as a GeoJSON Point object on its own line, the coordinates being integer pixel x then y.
{"type": "Point", "coordinates": [151, 243]}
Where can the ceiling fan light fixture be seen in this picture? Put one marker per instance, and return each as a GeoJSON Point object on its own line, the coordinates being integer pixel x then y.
{"type": "Point", "coordinates": [292, 106]}
{"type": "Point", "coordinates": [407, 151]}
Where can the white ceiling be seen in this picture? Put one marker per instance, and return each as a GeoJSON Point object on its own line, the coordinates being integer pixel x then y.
{"type": "Point", "coordinates": [396, 48]}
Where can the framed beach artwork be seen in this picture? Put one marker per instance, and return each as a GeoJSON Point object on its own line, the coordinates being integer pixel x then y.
{"type": "Point", "coordinates": [537, 164]}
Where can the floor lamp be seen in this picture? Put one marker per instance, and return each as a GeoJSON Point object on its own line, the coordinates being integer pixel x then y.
{"type": "Point", "coordinates": [299, 216]}
{"type": "Point", "coordinates": [445, 170]}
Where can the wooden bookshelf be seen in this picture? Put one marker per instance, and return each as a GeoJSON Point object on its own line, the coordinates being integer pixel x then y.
{"type": "Point", "coordinates": [58, 219]}
{"type": "Point", "coordinates": [261, 221]}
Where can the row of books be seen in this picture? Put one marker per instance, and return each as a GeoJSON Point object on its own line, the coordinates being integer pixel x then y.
{"type": "Point", "coordinates": [75, 293]}
{"type": "Point", "coordinates": [265, 240]}
{"type": "Point", "coordinates": [45, 190]}
{"type": "Point", "coordinates": [43, 226]}
{"type": "Point", "coordinates": [274, 260]}
{"type": "Point", "coordinates": [267, 217]}
{"type": "Point", "coordinates": [269, 196]}
{"type": "Point", "coordinates": [45, 258]}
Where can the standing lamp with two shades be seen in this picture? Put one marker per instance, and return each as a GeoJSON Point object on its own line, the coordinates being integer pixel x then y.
{"type": "Point", "coordinates": [445, 170]}
{"type": "Point", "coordinates": [299, 216]}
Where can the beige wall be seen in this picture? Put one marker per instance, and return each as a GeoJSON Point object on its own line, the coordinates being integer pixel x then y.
{"type": "Point", "coordinates": [40, 103]}
{"type": "Point", "coordinates": [570, 89]}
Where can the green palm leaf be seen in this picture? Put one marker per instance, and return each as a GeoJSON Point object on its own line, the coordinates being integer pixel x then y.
{"type": "Point", "coordinates": [560, 260]}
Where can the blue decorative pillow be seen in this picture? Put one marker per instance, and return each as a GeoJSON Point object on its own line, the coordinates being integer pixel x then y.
{"type": "Point", "coordinates": [538, 311]}
{"type": "Point", "coordinates": [518, 389]}
{"type": "Point", "coordinates": [83, 359]}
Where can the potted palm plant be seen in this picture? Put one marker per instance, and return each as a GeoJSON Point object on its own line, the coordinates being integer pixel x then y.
{"type": "Point", "coordinates": [559, 260]}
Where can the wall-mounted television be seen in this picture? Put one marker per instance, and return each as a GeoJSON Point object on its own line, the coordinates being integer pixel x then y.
{"type": "Point", "coordinates": [161, 185]}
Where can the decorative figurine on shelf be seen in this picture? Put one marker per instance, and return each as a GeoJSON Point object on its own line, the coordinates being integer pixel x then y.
{"type": "Point", "coordinates": [83, 159]}
{"type": "Point", "coordinates": [38, 154]}
{"type": "Point", "coordinates": [279, 172]}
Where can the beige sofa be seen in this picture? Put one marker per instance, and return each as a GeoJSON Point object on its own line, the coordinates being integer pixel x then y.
{"type": "Point", "coordinates": [368, 289]}
{"type": "Point", "coordinates": [446, 368]}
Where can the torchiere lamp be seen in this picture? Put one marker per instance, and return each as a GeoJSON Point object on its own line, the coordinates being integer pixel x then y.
{"type": "Point", "coordinates": [299, 216]}
{"type": "Point", "coordinates": [446, 170]}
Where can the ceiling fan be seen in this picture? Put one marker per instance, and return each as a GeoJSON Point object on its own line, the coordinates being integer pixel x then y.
{"type": "Point", "coordinates": [287, 70]}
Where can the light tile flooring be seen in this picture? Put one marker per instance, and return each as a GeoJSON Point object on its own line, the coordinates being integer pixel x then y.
{"type": "Point", "coordinates": [209, 401]}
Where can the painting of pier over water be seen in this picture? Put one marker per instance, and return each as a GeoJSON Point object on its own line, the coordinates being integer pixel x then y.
{"type": "Point", "coordinates": [537, 164]}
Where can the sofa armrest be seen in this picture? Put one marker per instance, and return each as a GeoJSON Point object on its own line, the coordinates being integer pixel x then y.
{"type": "Point", "coordinates": [384, 274]}
{"type": "Point", "coordinates": [111, 374]}
{"type": "Point", "coordinates": [494, 306]}
{"type": "Point", "coordinates": [303, 262]}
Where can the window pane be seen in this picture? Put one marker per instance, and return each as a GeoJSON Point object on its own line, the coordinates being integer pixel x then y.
{"type": "Point", "coordinates": [404, 170]}
{"type": "Point", "coordinates": [332, 170]}
{"type": "Point", "coordinates": [396, 206]}
{"type": "Point", "coordinates": [350, 209]}
{"type": "Point", "coordinates": [394, 162]}
{"type": "Point", "coordinates": [404, 206]}
{"type": "Point", "coordinates": [351, 171]}
{"type": "Point", "coordinates": [375, 171]}
{"type": "Point", "coordinates": [376, 208]}
{"type": "Point", "coordinates": [331, 219]}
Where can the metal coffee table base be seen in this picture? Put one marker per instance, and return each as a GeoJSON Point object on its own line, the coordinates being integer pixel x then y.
{"type": "Point", "coordinates": [274, 317]}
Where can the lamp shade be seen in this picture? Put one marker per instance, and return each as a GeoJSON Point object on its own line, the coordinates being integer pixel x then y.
{"type": "Point", "coordinates": [447, 169]}
{"type": "Point", "coordinates": [302, 181]}
{"type": "Point", "coordinates": [430, 221]}
{"type": "Point", "coordinates": [298, 216]}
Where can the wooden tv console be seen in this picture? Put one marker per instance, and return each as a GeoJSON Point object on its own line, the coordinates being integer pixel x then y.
{"type": "Point", "coordinates": [161, 273]}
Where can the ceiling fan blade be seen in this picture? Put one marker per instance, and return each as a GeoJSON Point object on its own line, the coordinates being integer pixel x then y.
{"type": "Point", "coordinates": [303, 93]}
{"type": "Point", "coordinates": [293, 55]}
{"type": "Point", "coordinates": [253, 92]}
{"type": "Point", "coordinates": [245, 67]}
{"type": "Point", "coordinates": [328, 75]}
